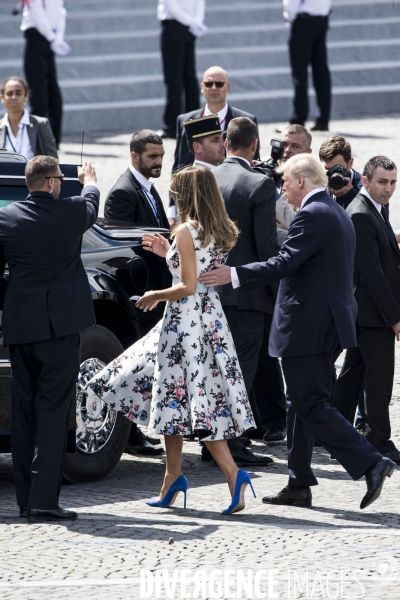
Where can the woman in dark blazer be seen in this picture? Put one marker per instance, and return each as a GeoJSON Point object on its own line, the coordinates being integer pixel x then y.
{"type": "Point", "coordinates": [21, 132]}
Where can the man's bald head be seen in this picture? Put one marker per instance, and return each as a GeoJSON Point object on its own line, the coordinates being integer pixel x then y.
{"type": "Point", "coordinates": [215, 87]}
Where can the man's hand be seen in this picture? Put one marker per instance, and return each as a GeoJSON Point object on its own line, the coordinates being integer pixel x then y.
{"type": "Point", "coordinates": [218, 276]}
{"type": "Point", "coordinates": [396, 329]}
{"type": "Point", "coordinates": [87, 174]}
{"type": "Point", "coordinates": [345, 189]}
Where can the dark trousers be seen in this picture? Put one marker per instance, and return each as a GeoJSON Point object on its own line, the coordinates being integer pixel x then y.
{"type": "Point", "coordinates": [268, 386]}
{"type": "Point", "coordinates": [374, 361]}
{"type": "Point", "coordinates": [310, 415]}
{"type": "Point", "coordinates": [307, 46]}
{"type": "Point", "coordinates": [44, 378]}
{"type": "Point", "coordinates": [41, 75]}
{"type": "Point", "coordinates": [179, 64]}
{"type": "Point", "coordinates": [261, 373]}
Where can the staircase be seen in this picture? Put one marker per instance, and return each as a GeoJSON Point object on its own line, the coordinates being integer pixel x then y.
{"type": "Point", "coordinates": [112, 80]}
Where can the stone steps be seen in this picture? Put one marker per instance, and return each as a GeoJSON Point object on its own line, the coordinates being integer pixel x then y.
{"type": "Point", "coordinates": [113, 76]}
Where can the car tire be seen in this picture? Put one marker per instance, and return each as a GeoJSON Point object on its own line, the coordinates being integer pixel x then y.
{"type": "Point", "coordinates": [99, 346]}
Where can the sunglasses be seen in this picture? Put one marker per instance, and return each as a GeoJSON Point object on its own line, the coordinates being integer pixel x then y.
{"type": "Point", "coordinates": [218, 84]}
{"type": "Point", "coordinates": [60, 177]}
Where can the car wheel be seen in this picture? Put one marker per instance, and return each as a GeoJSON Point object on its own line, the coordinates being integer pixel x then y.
{"type": "Point", "coordinates": [101, 433]}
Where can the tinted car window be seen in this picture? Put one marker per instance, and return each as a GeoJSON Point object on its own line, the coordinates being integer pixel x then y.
{"type": "Point", "coordinates": [10, 194]}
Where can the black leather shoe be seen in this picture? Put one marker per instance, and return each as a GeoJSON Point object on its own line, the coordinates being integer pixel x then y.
{"type": "Point", "coordinates": [291, 497]}
{"type": "Point", "coordinates": [275, 434]}
{"type": "Point", "coordinates": [375, 478]}
{"type": "Point", "coordinates": [155, 441]}
{"type": "Point", "coordinates": [394, 455]}
{"type": "Point", "coordinates": [55, 514]}
{"type": "Point", "coordinates": [23, 511]}
{"type": "Point", "coordinates": [320, 126]}
{"type": "Point", "coordinates": [246, 457]}
{"type": "Point", "coordinates": [253, 434]}
{"type": "Point", "coordinates": [138, 444]}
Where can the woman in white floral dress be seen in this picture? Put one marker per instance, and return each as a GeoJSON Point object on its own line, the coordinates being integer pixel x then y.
{"type": "Point", "coordinates": [184, 376]}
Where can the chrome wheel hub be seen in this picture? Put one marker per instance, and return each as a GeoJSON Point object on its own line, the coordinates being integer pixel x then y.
{"type": "Point", "coordinates": [95, 421]}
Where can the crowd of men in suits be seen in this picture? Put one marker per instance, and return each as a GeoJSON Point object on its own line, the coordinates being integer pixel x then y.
{"type": "Point", "coordinates": [305, 249]}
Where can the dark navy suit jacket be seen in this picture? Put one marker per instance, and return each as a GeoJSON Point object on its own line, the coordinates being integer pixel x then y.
{"type": "Point", "coordinates": [315, 307]}
{"type": "Point", "coordinates": [48, 289]}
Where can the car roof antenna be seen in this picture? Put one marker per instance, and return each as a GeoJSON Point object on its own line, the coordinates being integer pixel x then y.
{"type": "Point", "coordinates": [83, 137]}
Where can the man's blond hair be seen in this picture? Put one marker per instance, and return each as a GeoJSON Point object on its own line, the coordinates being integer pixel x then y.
{"type": "Point", "coordinates": [305, 165]}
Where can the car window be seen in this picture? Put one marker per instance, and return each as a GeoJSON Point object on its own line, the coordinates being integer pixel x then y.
{"type": "Point", "coordinates": [12, 193]}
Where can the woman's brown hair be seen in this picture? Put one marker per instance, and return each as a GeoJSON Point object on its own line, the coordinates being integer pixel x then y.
{"type": "Point", "coordinates": [199, 201]}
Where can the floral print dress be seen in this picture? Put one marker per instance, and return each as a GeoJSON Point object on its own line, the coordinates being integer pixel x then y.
{"type": "Point", "coordinates": [184, 375]}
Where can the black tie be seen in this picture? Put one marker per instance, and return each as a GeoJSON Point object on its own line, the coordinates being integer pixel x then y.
{"type": "Point", "coordinates": [388, 225]}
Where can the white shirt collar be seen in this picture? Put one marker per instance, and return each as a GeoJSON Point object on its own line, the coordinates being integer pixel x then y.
{"type": "Point", "coordinates": [24, 120]}
{"type": "Point", "coordinates": [221, 114]}
{"type": "Point", "coordinates": [146, 183]}
{"type": "Point", "coordinates": [378, 206]}
{"type": "Point", "coordinates": [204, 164]}
{"type": "Point", "coordinates": [240, 158]}
{"type": "Point", "coordinates": [308, 196]}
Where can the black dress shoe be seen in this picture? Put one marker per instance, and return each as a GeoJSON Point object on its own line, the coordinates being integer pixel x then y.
{"type": "Point", "coordinates": [253, 434]}
{"type": "Point", "coordinates": [54, 514]}
{"type": "Point", "coordinates": [166, 134]}
{"type": "Point", "coordinates": [320, 126]}
{"type": "Point", "coordinates": [291, 497]}
{"type": "Point", "coordinates": [275, 434]}
{"type": "Point", "coordinates": [138, 444]}
{"type": "Point", "coordinates": [375, 478]}
{"type": "Point", "coordinates": [244, 457]}
{"type": "Point", "coordinates": [394, 455]}
{"type": "Point", "coordinates": [155, 441]}
{"type": "Point", "coordinates": [23, 511]}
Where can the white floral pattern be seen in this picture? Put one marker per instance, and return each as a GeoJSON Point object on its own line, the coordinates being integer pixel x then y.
{"type": "Point", "coordinates": [184, 375]}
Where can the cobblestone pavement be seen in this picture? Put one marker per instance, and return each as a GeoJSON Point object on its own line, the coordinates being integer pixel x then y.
{"type": "Point", "coordinates": [346, 553]}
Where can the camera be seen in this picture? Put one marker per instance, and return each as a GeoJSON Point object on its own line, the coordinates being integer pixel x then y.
{"type": "Point", "coordinates": [268, 167]}
{"type": "Point", "coordinates": [337, 177]}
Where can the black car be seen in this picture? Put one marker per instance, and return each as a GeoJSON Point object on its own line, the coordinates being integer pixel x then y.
{"type": "Point", "coordinates": [119, 271]}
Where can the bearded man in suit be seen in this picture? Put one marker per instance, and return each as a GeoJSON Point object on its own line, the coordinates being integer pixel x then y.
{"type": "Point", "coordinates": [134, 199]}
{"type": "Point", "coordinates": [315, 314]}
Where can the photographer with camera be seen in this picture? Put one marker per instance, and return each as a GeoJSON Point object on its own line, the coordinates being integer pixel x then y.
{"type": "Point", "coordinates": [295, 139]}
{"type": "Point", "coordinates": [344, 181]}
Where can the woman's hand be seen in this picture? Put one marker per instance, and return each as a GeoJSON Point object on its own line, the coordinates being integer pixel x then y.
{"type": "Point", "coordinates": [148, 301]}
{"type": "Point", "coordinates": [156, 244]}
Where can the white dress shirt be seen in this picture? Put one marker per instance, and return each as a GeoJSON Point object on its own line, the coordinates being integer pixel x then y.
{"type": "Point", "coordinates": [221, 115]}
{"type": "Point", "coordinates": [146, 184]}
{"type": "Point", "coordinates": [186, 12]}
{"type": "Point", "coordinates": [318, 8]}
{"type": "Point", "coordinates": [19, 143]}
{"type": "Point", "coordinates": [48, 17]}
{"type": "Point", "coordinates": [234, 275]}
{"type": "Point", "coordinates": [376, 204]}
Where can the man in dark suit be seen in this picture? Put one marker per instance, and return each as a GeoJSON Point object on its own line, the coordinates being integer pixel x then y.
{"type": "Point", "coordinates": [377, 280]}
{"type": "Point", "coordinates": [134, 199]}
{"type": "Point", "coordinates": [47, 303]}
{"type": "Point", "coordinates": [250, 199]}
{"type": "Point", "coordinates": [215, 87]}
{"type": "Point", "coordinates": [315, 311]}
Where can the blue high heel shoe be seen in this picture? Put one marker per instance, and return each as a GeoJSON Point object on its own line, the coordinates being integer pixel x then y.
{"type": "Point", "coordinates": [237, 504]}
{"type": "Point", "coordinates": [180, 485]}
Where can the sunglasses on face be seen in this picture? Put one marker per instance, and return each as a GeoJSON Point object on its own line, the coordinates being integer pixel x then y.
{"type": "Point", "coordinates": [218, 84]}
{"type": "Point", "coordinates": [60, 177]}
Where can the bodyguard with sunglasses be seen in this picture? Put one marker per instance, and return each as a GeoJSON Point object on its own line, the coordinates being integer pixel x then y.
{"type": "Point", "coordinates": [46, 304]}
{"type": "Point", "coordinates": [215, 87]}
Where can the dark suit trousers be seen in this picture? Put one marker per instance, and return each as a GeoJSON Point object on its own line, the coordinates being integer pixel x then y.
{"type": "Point", "coordinates": [307, 46]}
{"type": "Point", "coordinates": [268, 386]}
{"type": "Point", "coordinates": [44, 378]}
{"type": "Point", "coordinates": [179, 64]}
{"type": "Point", "coordinates": [41, 75]}
{"type": "Point", "coordinates": [374, 360]}
{"type": "Point", "coordinates": [310, 415]}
